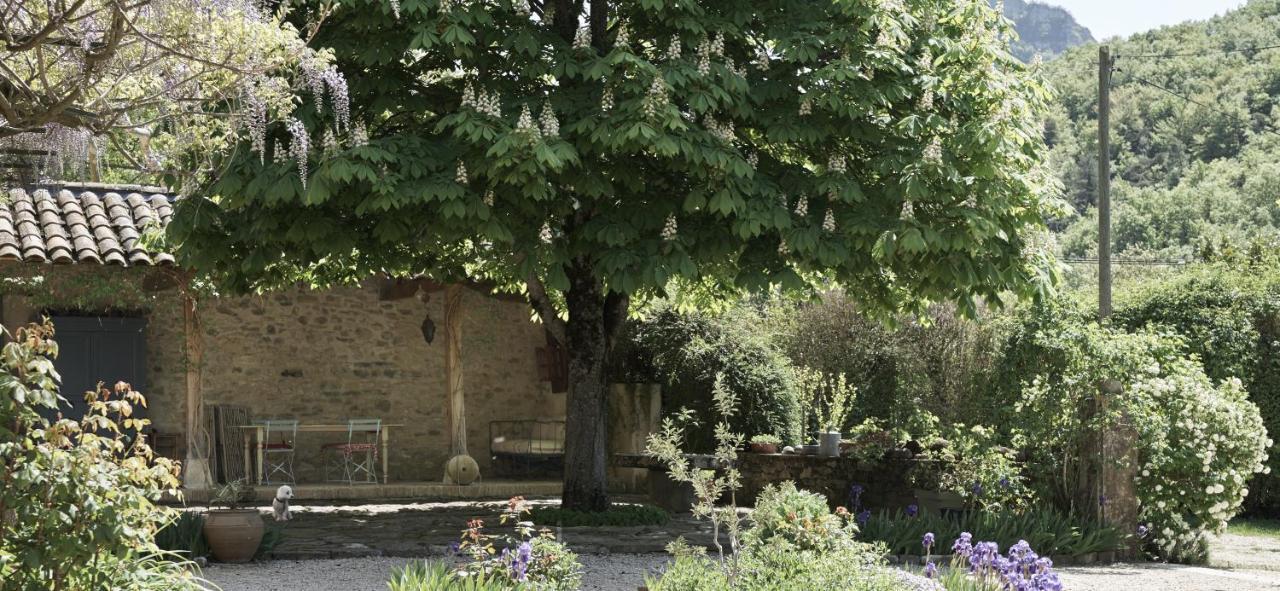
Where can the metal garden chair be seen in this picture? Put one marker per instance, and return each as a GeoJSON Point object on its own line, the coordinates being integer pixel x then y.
{"type": "Point", "coordinates": [358, 457]}
{"type": "Point", "coordinates": [277, 456]}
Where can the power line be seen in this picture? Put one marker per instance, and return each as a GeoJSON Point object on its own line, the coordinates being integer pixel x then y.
{"type": "Point", "coordinates": [1092, 260]}
{"type": "Point", "coordinates": [1218, 107]}
{"type": "Point", "coordinates": [1198, 53]}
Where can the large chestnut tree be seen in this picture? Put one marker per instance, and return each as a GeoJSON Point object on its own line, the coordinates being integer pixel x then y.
{"type": "Point", "coordinates": [591, 154]}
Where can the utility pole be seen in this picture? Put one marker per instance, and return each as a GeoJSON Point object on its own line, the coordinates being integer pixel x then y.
{"type": "Point", "coordinates": [1104, 181]}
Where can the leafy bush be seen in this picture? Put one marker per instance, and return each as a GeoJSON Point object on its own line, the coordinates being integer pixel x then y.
{"type": "Point", "coordinates": [617, 516]}
{"type": "Point", "coordinates": [764, 568]}
{"type": "Point", "coordinates": [523, 558]}
{"type": "Point", "coordinates": [766, 440]}
{"type": "Point", "coordinates": [436, 576]}
{"type": "Point", "coordinates": [1053, 532]}
{"type": "Point", "coordinates": [1230, 317]}
{"type": "Point", "coordinates": [983, 472]}
{"type": "Point", "coordinates": [687, 353]}
{"type": "Point", "coordinates": [937, 365]}
{"type": "Point", "coordinates": [797, 518]}
{"type": "Point", "coordinates": [78, 504]}
{"type": "Point", "coordinates": [1197, 442]}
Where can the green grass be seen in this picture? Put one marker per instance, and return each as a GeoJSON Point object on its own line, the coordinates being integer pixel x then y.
{"type": "Point", "coordinates": [1261, 528]}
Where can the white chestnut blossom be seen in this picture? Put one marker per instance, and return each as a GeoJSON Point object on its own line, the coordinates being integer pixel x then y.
{"type": "Point", "coordinates": [395, 8]}
{"type": "Point", "coordinates": [545, 234]}
{"type": "Point", "coordinates": [582, 39]}
{"type": "Point", "coordinates": [359, 135]}
{"type": "Point", "coordinates": [926, 100]}
{"type": "Point", "coordinates": [802, 206]}
{"type": "Point", "coordinates": [606, 100]}
{"type": "Point", "coordinates": [753, 160]}
{"type": "Point", "coordinates": [836, 164]}
{"type": "Point", "coordinates": [762, 59]}
{"type": "Point", "coordinates": [717, 45]}
{"type": "Point", "coordinates": [669, 228]}
{"type": "Point", "coordinates": [933, 152]}
{"type": "Point", "coordinates": [656, 98]}
{"type": "Point", "coordinates": [908, 211]}
{"type": "Point", "coordinates": [488, 198]}
{"type": "Point", "coordinates": [525, 123]}
{"type": "Point", "coordinates": [806, 106]}
{"type": "Point", "coordinates": [624, 35]}
{"type": "Point", "coordinates": [829, 221]}
{"type": "Point", "coordinates": [783, 249]}
{"type": "Point", "coordinates": [548, 122]}
{"type": "Point", "coordinates": [521, 8]}
{"type": "Point", "coordinates": [461, 174]}
{"type": "Point", "coordinates": [674, 49]}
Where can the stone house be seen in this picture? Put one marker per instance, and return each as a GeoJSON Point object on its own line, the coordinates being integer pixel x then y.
{"type": "Point", "coordinates": [78, 254]}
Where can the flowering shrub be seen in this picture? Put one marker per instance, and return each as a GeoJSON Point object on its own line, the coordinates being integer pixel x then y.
{"type": "Point", "coordinates": [529, 558]}
{"type": "Point", "coordinates": [1199, 446]}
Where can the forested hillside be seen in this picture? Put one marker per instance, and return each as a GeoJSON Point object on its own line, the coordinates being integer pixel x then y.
{"type": "Point", "coordinates": [1196, 161]}
{"type": "Point", "coordinates": [1043, 29]}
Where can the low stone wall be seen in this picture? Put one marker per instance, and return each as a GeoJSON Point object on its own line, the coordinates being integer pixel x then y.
{"type": "Point", "coordinates": [885, 484]}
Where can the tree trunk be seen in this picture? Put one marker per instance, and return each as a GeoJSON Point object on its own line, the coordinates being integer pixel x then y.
{"type": "Point", "coordinates": [594, 317]}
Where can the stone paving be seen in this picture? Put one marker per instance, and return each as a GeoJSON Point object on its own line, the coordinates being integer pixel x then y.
{"type": "Point", "coordinates": [427, 529]}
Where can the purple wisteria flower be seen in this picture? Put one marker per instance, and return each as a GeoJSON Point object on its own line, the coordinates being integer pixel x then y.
{"type": "Point", "coordinates": [912, 510]}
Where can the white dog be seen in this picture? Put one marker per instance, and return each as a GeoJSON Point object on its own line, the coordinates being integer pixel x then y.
{"type": "Point", "coordinates": [280, 504]}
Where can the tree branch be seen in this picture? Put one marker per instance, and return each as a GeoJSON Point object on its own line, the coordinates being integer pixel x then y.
{"type": "Point", "coordinates": [545, 308]}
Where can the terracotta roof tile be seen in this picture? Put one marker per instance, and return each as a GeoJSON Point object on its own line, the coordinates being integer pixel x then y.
{"type": "Point", "coordinates": [100, 225]}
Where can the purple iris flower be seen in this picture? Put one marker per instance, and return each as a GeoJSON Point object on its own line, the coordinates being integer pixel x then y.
{"type": "Point", "coordinates": [864, 517]}
{"type": "Point", "coordinates": [855, 496]}
{"type": "Point", "coordinates": [977, 489]}
{"type": "Point", "coordinates": [520, 564]}
{"type": "Point", "coordinates": [1142, 531]}
{"type": "Point", "coordinates": [1004, 482]}
{"type": "Point", "coordinates": [927, 541]}
{"type": "Point", "coordinates": [930, 570]}
{"type": "Point", "coordinates": [912, 510]}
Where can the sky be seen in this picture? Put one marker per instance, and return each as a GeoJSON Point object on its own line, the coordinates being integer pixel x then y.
{"type": "Point", "coordinates": [1109, 18]}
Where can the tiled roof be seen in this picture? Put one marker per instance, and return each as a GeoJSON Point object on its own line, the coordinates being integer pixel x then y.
{"type": "Point", "coordinates": [82, 224]}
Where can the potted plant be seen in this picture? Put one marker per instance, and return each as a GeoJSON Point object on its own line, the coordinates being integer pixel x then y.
{"type": "Point", "coordinates": [233, 533]}
{"type": "Point", "coordinates": [833, 397]}
{"type": "Point", "coordinates": [765, 444]}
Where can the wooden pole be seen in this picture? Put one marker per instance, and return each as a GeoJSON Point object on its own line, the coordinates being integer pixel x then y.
{"type": "Point", "coordinates": [453, 315]}
{"type": "Point", "coordinates": [196, 473]}
{"type": "Point", "coordinates": [1104, 182]}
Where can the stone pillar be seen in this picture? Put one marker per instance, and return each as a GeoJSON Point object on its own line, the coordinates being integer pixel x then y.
{"type": "Point", "coordinates": [1109, 465]}
{"type": "Point", "coordinates": [635, 411]}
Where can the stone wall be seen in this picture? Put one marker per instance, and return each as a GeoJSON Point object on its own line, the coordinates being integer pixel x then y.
{"type": "Point", "coordinates": [324, 356]}
{"type": "Point", "coordinates": [885, 484]}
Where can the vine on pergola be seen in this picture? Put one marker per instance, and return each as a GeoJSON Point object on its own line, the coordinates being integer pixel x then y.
{"type": "Point", "coordinates": [152, 89]}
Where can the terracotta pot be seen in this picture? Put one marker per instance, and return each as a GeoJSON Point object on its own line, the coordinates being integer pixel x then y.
{"type": "Point", "coordinates": [764, 448]}
{"type": "Point", "coordinates": [233, 534]}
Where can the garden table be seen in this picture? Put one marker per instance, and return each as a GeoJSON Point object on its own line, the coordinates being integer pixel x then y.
{"type": "Point", "coordinates": [257, 432]}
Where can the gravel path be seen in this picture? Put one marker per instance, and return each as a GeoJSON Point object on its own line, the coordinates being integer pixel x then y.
{"type": "Point", "coordinates": [606, 572]}
{"type": "Point", "coordinates": [625, 572]}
